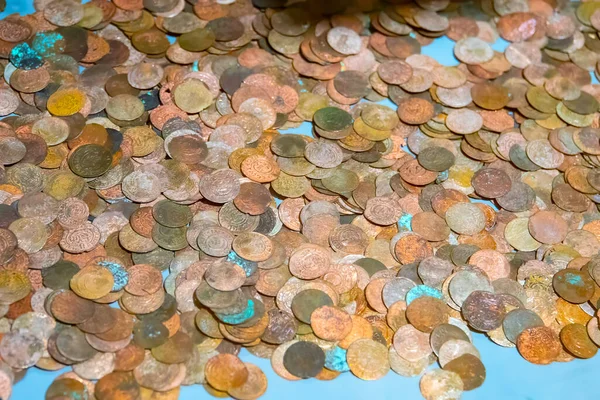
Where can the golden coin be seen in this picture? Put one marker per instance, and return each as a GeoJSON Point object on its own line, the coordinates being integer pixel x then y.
{"type": "Point", "coordinates": [368, 359]}
{"type": "Point", "coordinates": [192, 96]}
{"type": "Point", "coordinates": [92, 282]}
{"type": "Point", "coordinates": [14, 286]}
{"type": "Point", "coordinates": [225, 372]}
{"type": "Point", "coordinates": [65, 102]}
{"type": "Point", "coordinates": [577, 342]}
{"type": "Point", "coordinates": [254, 387]}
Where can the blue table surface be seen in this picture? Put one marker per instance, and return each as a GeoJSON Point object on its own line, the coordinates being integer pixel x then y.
{"type": "Point", "coordinates": [509, 376]}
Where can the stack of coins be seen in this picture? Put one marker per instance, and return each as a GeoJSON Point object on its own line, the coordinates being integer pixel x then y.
{"type": "Point", "coordinates": [155, 219]}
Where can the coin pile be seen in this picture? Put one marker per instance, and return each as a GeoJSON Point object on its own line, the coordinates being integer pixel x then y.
{"type": "Point", "coordinates": [141, 141]}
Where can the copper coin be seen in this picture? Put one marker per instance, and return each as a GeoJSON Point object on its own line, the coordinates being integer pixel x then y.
{"type": "Point", "coordinates": [573, 286]}
{"type": "Point", "coordinates": [539, 345]}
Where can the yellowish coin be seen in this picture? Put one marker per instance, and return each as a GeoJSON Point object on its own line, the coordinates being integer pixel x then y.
{"type": "Point", "coordinates": [65, 102]}
{"type": "Point", "coordinates": [92, 282]}
{"type": "Point", "coordinates": [192, 96]}
{"type": "Point", "coordinates": [14, 286]}
{"type": "Point", "coordinates": [368, 359]}
{"type": "Point", "coordinates": [143, 140]}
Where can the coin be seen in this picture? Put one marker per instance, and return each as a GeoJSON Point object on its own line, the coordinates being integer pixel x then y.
{"type": "Point", "coordinates": [443, 333]}
{"type": "Point", "coordinates": [539, 345]}
{"type": "Point", "coordinates": [437, 383]}
{"type": "Point", "coordinates": [92, 282]}
{"type": "Point", "coordinates": [254, 387]}
{"type": "Point", "coordinates": [330, 323]}
{"type": "Point", "coordinates": [368, 359]}
{"type": "Point", "coordinates": [487, 317]}
{"type": "Point", "coordinates": [516, 321]}
{"type": "Point", "coordinates": [470, 369]}
{"type": "Point", "coordinates": [573, 286]}
{"type": "Point", "coordinates": [304, 359]}
{"type": "Point", "coordinates": [576, 340]}
{"type": "Point", "coordinates": [411, 344]}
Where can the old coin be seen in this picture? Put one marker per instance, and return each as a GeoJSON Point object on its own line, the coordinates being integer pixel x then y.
{"type": "Point", "coordinates": [516, 321]}
{"type": "Point", "coordinates": [470, 369]}
{"type": "Point", "coordinates": [226, 371]}
{"type": "Point", "coordinates": [539, 345]}
{"type": "Point", "coordinates": [577, 342]}
{"type": "Point", "coordinates": [304, 359]}
{"type": "Point", "coordinates": [368, 359]}
{"type": "Point", "coordinates": [439, 383]}
{"type": "Point", "coordinates": [573, 286]}
{"type": "Point", "coordinates": [330, 323]}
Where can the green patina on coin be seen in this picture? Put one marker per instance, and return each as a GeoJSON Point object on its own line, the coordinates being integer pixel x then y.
{"type": "Point", "coordinates": [332, 119]}
{"type": "Point", "coordinates": [90, 160]}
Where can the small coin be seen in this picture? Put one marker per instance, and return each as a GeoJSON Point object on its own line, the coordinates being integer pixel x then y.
{"type": "Point", "coordinates": [470, 369]}
{"type": "Point", "coordinates": [437, 383]}
{"type": "Point", "coordinates": [539, 345]}
{"type": "Point", "coordinates": [368, 359]}
{"type": "Point", "coordinates": [304, 359]}
{"type": "Point", "coordinates": [573, 286]}
{"type": "Point", "coordinates": [516, 321]}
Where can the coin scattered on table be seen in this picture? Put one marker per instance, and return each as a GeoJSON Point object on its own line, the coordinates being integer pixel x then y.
{"type": "Point", "coordinates": [156, 217]}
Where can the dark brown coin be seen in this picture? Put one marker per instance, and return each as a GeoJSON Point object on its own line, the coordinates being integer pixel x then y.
{"type": "Point", "coordinates": [484, 311]}
{"type": "Point", "coordinates": [305, 302]}
{"type": "Point", "coordinates": [470, 369]}
{"type": "Point", "coordinates": [436, 159]}
{"type": "Point", "coordinates": [304, 359]}
{"type": "Point", "coordinates": [491, 183]}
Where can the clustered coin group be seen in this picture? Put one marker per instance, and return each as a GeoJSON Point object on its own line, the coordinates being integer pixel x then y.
{"type": "Point", "coordinates": [154, 220]}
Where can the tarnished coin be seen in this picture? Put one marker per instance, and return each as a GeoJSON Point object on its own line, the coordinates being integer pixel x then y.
{"type": "Point", "coordinates": [304, 359]}
{"type": "Point", "coordinates": [539, 345]}
{"type": "Point", "coordinates": [368, 359]}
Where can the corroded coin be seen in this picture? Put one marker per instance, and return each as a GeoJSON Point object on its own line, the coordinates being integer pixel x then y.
{"type": "Point", "coordinates": [368, 359]}
{"type": "Point", "coordinates": [539, 345]}
{"type": "Point", "coordinates": [470, 369]}
{"type": "Point", "coordinates": [439, 383]}
{"type": "Point", "coordinates": [304, 359]}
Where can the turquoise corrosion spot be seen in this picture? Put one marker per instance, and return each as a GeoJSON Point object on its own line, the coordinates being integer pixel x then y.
{"type": "Point", "coordinates": [335, 360]}
{"type": "Point", "coordinates": [248, 266]}
{"type": "Point", "coordinates": [24, 57]}
{"type": "Point", "coordinates": [120, 274]}
{"type": "Point", "coordinates": [48, 43]}
{"type": "Point", "coordinates": [423, 290]}
{"type": "Point", "coordinates": [405, 222]}
{"type": "Point", "coordinates": [239, 318]}
{"type": "Point", "coordinates": [442, 176]}
{"type": "Point", "coordinates": [573, 279]}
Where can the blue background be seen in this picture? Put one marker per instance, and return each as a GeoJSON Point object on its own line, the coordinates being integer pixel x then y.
{"type": "Point", "coordinates": [508, 375]}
